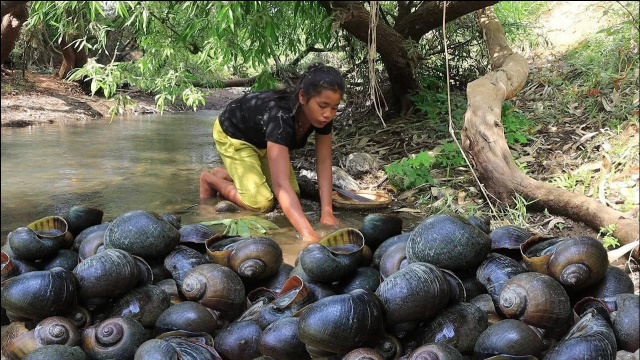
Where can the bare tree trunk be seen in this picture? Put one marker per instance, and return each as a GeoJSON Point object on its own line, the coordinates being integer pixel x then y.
{"type": "Point", "coordinates": [71, 59]}
{"type": "Point", "coordinates": [483, 139]}
{"type": "Point", "coordinates": [11, 24]}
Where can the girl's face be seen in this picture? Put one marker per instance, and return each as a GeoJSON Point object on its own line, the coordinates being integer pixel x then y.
{"type": "Point", "coordinates": [320, 109]}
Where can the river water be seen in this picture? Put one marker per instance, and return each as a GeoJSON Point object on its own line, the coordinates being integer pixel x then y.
{"type": "Point", "coordinates": [145, 162]}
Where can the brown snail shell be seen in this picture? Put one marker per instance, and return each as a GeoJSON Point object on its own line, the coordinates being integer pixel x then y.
{"type": "Point", "coordinates": [113, 338]}
{"type": "Point", "coordinates": [341, 323]}
{"type": "Point", "coordinates": [494, 271]}
{"type": "Point", "coordinates": [405, 293]}
{"type": "Point", "coordinates": [459, 325]}
{"type": "Point", "coordinates": [335, 256]}
{"type": "Point", "coordinates": [591, 337]}
{"type": "Point", "coordinates": [52, 330]}
{"type": "Point", "coordinates": [508, 337]}
{"type": "Point", "coordinates": [280, 340]}
{"type": "Point", "coordinates": [214, 286]}
{"type": "Point", "coordinates": [142, 233]}
{"type": "Point", "coordinates": [378, 227]}
{"type": "Point", "coordinates": [80, 316]}
{"type": "Point", "coordinates": [81, 217]}
{"type": "Point", "coordinates": [144, 304]}
{"type": "Point", "coordinates": [448, 241]}
{"type": "Point", "coordinates": [537, 299]}
{"type": "Point", "coordinates": [40, 294]}
{"type": "Point", "coordinates": [615, 281]}
{"type": "Point", "coordinates": [439, 351]}
{"type": "Point", "coordinates": [48, 352]}
{"type": "Point", "coordinates": [255, 258]}
{"type": "Point", "coordinates": [575, 262]}
{"type": "Point", "coordinates": [107, 274]}
{"type": "Point", "coordinates": [8, 268]}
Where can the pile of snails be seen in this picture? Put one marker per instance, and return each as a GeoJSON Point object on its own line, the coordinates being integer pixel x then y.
{"type": "Point", "coordinates": [146, 286]}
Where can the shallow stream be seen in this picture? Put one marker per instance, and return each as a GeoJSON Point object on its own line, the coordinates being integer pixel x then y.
{"type": "Point", "coordinates": [145, 162]}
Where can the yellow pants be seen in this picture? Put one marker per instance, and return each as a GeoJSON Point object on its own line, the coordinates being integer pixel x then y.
{"type": "Point", "coordinates": [249, 168]}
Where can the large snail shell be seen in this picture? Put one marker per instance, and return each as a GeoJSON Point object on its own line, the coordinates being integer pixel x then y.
{"type": "Point", "coordinates": [273, 282]}
{"type": "Point", "coordinates": [417, 292]}
{"type": "Point", "coordinates": [181, 260]}
{"type": "Point", "coordinates": [142, 233]}
{"type": "Point", "coordinates": [294, 296]}
{"type": "Point", "coordinates": [110, 273]}
{"type": "Point", "coordinates": [256, 258]}
{"type": "Point", "coordinates": [54, 330]}
{"type": "Point", "coordinates": [27, 245]}
{"type": "Point", "coordinates": [508, 337]}
{"type": "Point", "coordinates": [457, 292]}
{"type": "Point", "coordinates": [363, 354]}
{"type": "Point", "coordinates": [485, 302]}
{"type": "Point", "coordinates": [91, 244]}
{"type": "Point", "coordinates": [90, 232]}
{"type": "Point", "coordinates": [114, 338]}
{"type": "Point", "coordinates": [537, 299]}
{"type": "Point", "coordinates": [156, 349]}
{"type": "Point", "coordinates": [40, 294]}
{"type": "Point", "coordinates": [365, 278]}
{"type": "Point", "coordinates": [65, 258]}
{"type": "Point", "coordinates": [80, 217]}
{"type": "Point", "coordinates": [449, 242]}
{"type": "Point", "coordinates": [576, 262]}
{"type": "Point", "coordinates": [195, 236]}
{"type": "Point", "coordinates": [615, 281]}
{"type": "Point", "coordinates": [591, 337]}
{"type": "Point", "coordinates": [177, 347]}
{"type": "Point", "coordinates": [187, 316]}
{"type": "Point", "coordinates": [626, 321]}
{"type": "Point", "coordinates": [49, 352]}
{"type": "Point", "coordinates": [280, 340]}
{"type": "Point", "coordinates": [341, 323]}
{"type": "Point", "coordinates": [507, 240]}
{"type": "Point", "coordinates": [459, 325]}
{"type": "Point", "coordinates": [50, 227]}
{"type": "Point", "coordinates": [439, 351]}
{"type": "Point", "coordinates": [482, 223]}
{"type": "Point", "coordinates": [494, 271]}
{"type": "Point", "coordinates": [170, 287]}
{"type": "Point", "coordinates": [394, 259]}
{"type": "Point", "coordinates": [80, 316]}
{"type": "Point", "coordinates": [377, 228]}
{"type": "Point", "coordinates": [336, 255]}
{"type": "Point", "coordinates": [9, 269]}
{"type": "Point", "coordinates": [239, 340]}
{"type": "Point", "coordinates": [144, 304]}
{"type": "Point", "coordinates": [214, 286]}
{"type": "Point", "coordinates": [382, 249]}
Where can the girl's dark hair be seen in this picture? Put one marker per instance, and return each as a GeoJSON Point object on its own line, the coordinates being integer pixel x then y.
{"type": "Point", "coordinates": [317, 78]}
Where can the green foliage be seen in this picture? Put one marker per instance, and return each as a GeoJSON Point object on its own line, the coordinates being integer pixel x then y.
{"type": "Point", "coordinates": [450, 156]}
{"type": "Point", "coordinates": [606, 234]}
{"type": "Point", "coordinates": [411, 172]}
{"type": "Point", "coordinates": [516, 125]}
{"type": "Point", "coordinates": [519, 20]}
{"type": "Point", "coordinates": [245, 226]}
{"type": "Point", "coordinates": [432, 100]}
{"type": "Point", "coordinates": [516, 214]}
